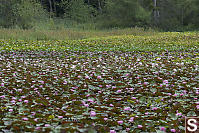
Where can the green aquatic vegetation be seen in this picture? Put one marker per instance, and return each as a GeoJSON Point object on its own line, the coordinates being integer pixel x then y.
{"type": "Point", "coordinates": [112, 84]}
{"type": "Point", "coordinates": [157, 42]}
{"type": "Point", "coordinates": [45, 91]}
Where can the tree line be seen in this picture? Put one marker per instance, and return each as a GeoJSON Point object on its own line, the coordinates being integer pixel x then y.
{"type": "Point", "coordinates": [169, 15]}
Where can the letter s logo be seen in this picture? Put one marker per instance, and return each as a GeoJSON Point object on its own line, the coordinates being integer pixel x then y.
{"type": "Point", "coordinates": [192, 123]}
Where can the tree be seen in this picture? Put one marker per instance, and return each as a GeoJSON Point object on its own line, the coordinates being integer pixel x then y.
{"type": "Point", "coordinates": [175, 13]}
{"type": "Point", "coordinates": [7, 18]}
{"type": "Point", "coordinates": [124, 13]}
{"type": "Point", "coordinates": [29, 12]}
{"type": "Point", "coordinates": [22, 13]}
{"type": "Point", "coordinates": [156, 13]}
{"type": "Point", "coordinates": [191, 18]}
{"type": "Point", "coordinates": [78, 11]}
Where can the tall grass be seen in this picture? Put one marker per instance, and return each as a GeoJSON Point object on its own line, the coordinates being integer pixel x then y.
{"type": "Point", "coordinates": [69, 33]}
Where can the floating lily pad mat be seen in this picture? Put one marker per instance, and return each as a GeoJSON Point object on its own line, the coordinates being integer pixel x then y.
{"type": "Point", "coordinates": [42, 91]}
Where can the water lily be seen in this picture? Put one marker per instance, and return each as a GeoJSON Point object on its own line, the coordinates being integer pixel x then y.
{"type": "Point", "coordinates": [10, 110]}
{"type": "Point", "coordinates": [127, 108]}
{"type": "Point", "coordinates": [127, 129]}
{"type": "Point", "coordinates": [2, 84]}
{"type": "Point", "coordinates": [111, 105]}
{"type": "Point", "coordinates": [92, 113]}
{"type": "Point", "coordinates": [25, 119]}
{"type": "Point", "coordinates": [120, 122]}
{"type": "Point", "coordinates": [60, 117]}
{"type": "Point", "coordinates": [131, 119]}
{"type": "Point", "coordinates": [25, 101]}
{"type": "Point", "coordinates": [105, 119]}
{"type": "Point", "coordinates": [173, 130]}
{"type": "Point", "coordinates": [133, 98]}
{"type": "Point", "coordinates": [140, 126]}
{"type": "Point", "coordinates": [179, 114]}
{"type": "Point", "coordinates": [90, 100]}
{"type": "Point", "coordinates": [86, 105]}
{"type": "Point", "coordinates": [99, 77]}
{"type": "Point", "coordinates": [166, 81]}
{"type": "Point", "coordinates": [3, 96]}
{"type": "Point", "coordinates": [47, 125]}
{"type": "Point", "coordinates": [112, 131]}
{"type": "Point", "coordinates": [119, 91]}
{"type": "Point", "coordinates": [162, 128]}
{"type": "Point", "coordinates": [154, 108]}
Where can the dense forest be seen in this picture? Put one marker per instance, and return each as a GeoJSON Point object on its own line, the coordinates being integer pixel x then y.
{"type": "Point", "coordinates": [167, 15]}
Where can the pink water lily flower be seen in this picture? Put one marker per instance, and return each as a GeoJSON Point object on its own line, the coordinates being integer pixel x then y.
{"type": "Point", "coordinates": [133, 98]}
{"type": "Point", "coordinates": [173, 130]}
{"type": "Point", "coordinates": [60, 117]}
{"type": "Point", "coordinates": [179, 114]}
{"type": "Point", "coordinates": [127, 108]}
{"type": "Point", "coordinates": [111, 105]}
{"type": "Point", "coordinates": [154, 108]}
{"type": "Point", "coordinates": [2, 84]}
{"type": "Point", "coordinates": [3, 96]}
{"type": "Point", "coordinates": [119, 91]}
{"type": "Point", "coordinates": [25, 101]}
{"type": "Point", "coordinates": [105, 119]}
{"type": "Point", "coordinates": [38, 128]}
{"type": "Point", "coordinates": [131, 119]}
{"type": "Point", "coordinates": [92, 113]}
{"type": "Point", "coordinates": [10, 110]}
{"type": "Point", "coordinates": [112, 131]}
{"type": "Point", "coordinates": [119, 122]}
{"type": "Point", "coordinates": [166, 81]}
{"type": "Point", "coordinates": [90, 100]}
{"type": "Point", "coordinates": [99, 77]}
{"type": "Point", "coordinates": [140, 126]}
{"type": "Point", "coordinates": [162, 128]}
{"type": "Point", "coordinates": [47, 125]}
{"type": "Point", "coordinates": [25, 119]}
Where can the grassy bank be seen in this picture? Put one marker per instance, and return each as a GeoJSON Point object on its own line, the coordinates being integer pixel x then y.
{"type": "Point", "coordinates": [68, 34]}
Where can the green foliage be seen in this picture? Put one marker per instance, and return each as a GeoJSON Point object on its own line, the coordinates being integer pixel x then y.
{"type": "Point", "coordinates": [167, 15]}
{"type": "Point", "coordinates": [28, 12]}
{"type": "Point", "coordinates": [193, 19]}
{"type": "Point", "coordinates": [78, 11]}
{"type": "Point", "coordinates": [24, 13]}
{"type": "Point", "coordinates": [7, 18]}
{"type": "Point", "coordinates": [152, 42]}
{"type": "Point", "coordinates": [125, 13]}
{"type": "Point", "coordinates": [178, 15]}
